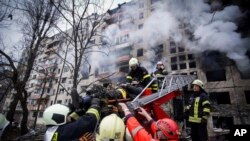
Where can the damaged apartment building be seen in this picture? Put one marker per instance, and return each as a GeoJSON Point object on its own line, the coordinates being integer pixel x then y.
{"type": "Point", "coordinates": [130, 25]}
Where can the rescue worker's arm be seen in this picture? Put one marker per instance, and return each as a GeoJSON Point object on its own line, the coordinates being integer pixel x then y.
{"type": "Point", "coordinates": [137, 132]}
{"type": "Point", "coordinates": [86, 123]}
{"type": "Point", "coordinates": [164, 72]}
{"type": "Point", "coordinates": [205, 107]}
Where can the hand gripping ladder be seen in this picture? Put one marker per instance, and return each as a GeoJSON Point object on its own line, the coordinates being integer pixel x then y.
{"type": "Point", "coordinates": [170, 83]}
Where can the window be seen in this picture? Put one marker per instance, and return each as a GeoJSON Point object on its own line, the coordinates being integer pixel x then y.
{"type": "Point", "coordinates": [190, 57]}
{"type": "Point", "coordinates": [172, 50]}
{"type": "Point", "coordinates": [192, 65]}
{"type": "Point", "coordinates": [174, 67]}
{"type": "Point", "coordinates": [173, 59]}
{"type": "Point", "coordinates": [220, 97]}
{"type": "Point", "coordinates": [217, 75]}
{"type": "Point", "coordinates": [158, 49]}
{"type": "Point", "coordinates": [139, 52]}
{"type": "Point", "coordinates": [59, 101]}
{"type": "Point", "coordinates": [247, 95]}
{"type": "Point", "coordinates": [183, 66]}
{"type": "Point", "coordinates": [181, 49]}
{"type": "Point", "coordinates": [51, 102]}
{"type": "Point", "coordinates": [58, 71]}
{"type": "Point", "coordinates": [172, 44]}
{"type": "Point", "coordinates": [48, 90]}
{"type": "Point", "coordinates": [182, 58]}
{"type": "Point", "coordinates": [223, 122]}
{"type": "Point", "coordinates": [141, 16]}
{"type": "Point", "coordinates": [54, 91]}
{"type": "Point", "coordinates": [64, 80]}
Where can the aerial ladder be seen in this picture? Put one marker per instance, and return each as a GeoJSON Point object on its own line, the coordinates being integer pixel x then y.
{"type": "Point", "coordinates": [169, 89]}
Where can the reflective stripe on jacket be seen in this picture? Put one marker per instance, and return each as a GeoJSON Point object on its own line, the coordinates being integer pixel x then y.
{"type": "Point", "coordinates": [199, 108]}
{"type": "Point", "coordinates": [141, 75]}
{"type": "Point", "coordinates": [137, 131]}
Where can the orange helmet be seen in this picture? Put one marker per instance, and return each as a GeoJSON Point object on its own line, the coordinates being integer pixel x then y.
{"type": "Point", "coordinates": [169, 128]}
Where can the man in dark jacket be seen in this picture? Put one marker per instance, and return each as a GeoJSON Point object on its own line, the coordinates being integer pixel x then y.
{"type": "Point", "coordinates": [139, 77]}
{"type": "Point", "coordinates": [198, 111]}
{"type": "Point", "coordinates": [160, 73]}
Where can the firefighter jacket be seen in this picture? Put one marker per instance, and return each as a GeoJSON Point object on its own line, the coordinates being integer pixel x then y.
{"type": "Point", "coordinates": [199, 108]}
{"type": "Point", "coordinates": [74, 130]}
{"type": "Point", "coordinates": [141, 75]}
{"type": "Point", "coordinates": [137, 132]}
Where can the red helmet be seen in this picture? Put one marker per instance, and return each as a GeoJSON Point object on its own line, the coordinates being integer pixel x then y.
{"type": "Point", "coordinates": [169, 128]}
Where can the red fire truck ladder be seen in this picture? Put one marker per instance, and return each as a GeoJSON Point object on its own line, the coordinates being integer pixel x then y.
{"type": "Point", "coordinates": [170, 84]}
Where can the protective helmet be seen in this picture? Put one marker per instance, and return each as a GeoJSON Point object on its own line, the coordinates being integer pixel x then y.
{"type": "Point", "coordinates": [56, 114]}
{"type": "Point", "coordinates": [199, 83]}
{"type": "Point", "coordinates": [111, 127]}
{"type": "Point", "coordinates": [168, 127]}
{"type": "Point", "coordinates": [159, 63]}
{"type": "Point", "coordinates": [133, 61]}
{"type": "Point", "coordinates": [3, 124]}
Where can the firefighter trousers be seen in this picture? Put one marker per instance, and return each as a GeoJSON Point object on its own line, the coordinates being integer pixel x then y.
{"type": "Point", "coordinates": [199, 131]}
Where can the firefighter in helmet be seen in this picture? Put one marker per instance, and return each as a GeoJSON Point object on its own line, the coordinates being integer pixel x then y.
{"type": "Point", "coordinates": [198, 112]}
{"type": "Point", "coordinates": [163, 129]}
{"type": "Point", "coordinates": [58, 127]}
{"type": "Point", "coordinates": [138, 76]}
{"type": "Point", "coordinates": [160, 73]}
{"type": "Point", "coordinates": [111, 127]}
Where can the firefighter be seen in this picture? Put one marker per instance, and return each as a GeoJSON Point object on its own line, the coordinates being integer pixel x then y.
{"type": "Point", "coordinates": [111, 128]}
{"type": "Point", "coordinates": [163, 129]}
{"type": "Point", "coordinates": [160, 73]}
{"type": "Point", "coordinates": [198, 112]}
{"type": "Point", "coordinates": [59, 129]}
{"type": "Point", "coordinates": [139, 78]}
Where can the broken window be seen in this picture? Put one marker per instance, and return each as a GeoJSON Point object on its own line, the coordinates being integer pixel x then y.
{"type": "Point", "coordinates": [216, 75]}
{"type": "Point", "coordinates": [220, 97]}
{"type": "Point", "coordinates": [190, 57]}
{"type": "Point", "coordinates": [223, 122]}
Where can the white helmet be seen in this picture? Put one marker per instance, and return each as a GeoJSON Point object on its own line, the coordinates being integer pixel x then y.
{"type": "Point", "coordinates": [199, 83]}
{"type": "Point", "coordinates": [56, 114]}
{"type": "Point", "coordinates": [111, 127]}
{"type": "Point", "coordinates": [3, 124]}
{"type": "Point", "coordinates": [133, 61]}
{"type": "Point", "coordinates": [159, 63]}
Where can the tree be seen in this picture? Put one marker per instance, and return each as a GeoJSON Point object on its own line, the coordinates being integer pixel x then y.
{"type": "Point", "coordinates": [84, 28]}
{"type": "Point", "coordinates": [39, 18]}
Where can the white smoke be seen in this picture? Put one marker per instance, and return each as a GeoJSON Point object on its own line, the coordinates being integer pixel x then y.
{"type": "Point", "coordinates": [211, 31]}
